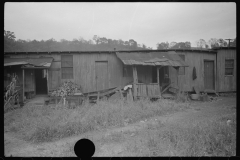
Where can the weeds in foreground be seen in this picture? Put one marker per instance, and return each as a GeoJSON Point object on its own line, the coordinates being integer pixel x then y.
{"type": "Point", "coordinates": [49, 123]}
{"type": "Point", "coordinates": [203, 139]}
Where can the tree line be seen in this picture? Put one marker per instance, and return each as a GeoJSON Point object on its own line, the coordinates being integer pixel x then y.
{"type": "Point", "coordinates": [201, 43]}
{"type": "Point", "coordinates": [95, 44]}
{"type": "Point", "coordinates": [98, 44]}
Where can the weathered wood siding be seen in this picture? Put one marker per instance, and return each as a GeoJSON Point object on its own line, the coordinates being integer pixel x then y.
{"type": "Point", "coordinates": [226, 83]}
{"type": "Point", "coordinates": [29, 80]}
{"type": "Point", "coordinates": [186, 82]}
{"type": "Point", "coordinates": [54, 73]}
{"type": "Point", "coordinates": [84, 70]}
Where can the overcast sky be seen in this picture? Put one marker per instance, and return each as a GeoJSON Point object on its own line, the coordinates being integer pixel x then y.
{"type": "Point", "coordinates": [147, 23]}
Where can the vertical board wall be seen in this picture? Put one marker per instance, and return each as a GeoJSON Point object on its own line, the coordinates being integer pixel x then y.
{"type": "Point", "coordinates": [226, 83]}
{"type": "Point", "coordinates": [196, 59]}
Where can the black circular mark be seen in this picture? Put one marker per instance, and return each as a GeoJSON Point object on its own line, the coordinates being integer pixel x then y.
{"type": "Point", "coordinates": [84, 148]}
{"type": "Point", "coordinates": [56, 158]}
{"type": "Point", "coordinates": [233, 157]}
{"type": "Point", "coordinates": [27, 158]}
{"type": "Point", "coordinates": [145, 158]}
{"type": "Point", "coordinates": [175, 158]}
{"type": "Point", "coordinates": [116, 158]}
{"type": "Point", "coordinates": [204, 157]}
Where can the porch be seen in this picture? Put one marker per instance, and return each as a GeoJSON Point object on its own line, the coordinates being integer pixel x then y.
{"type": "Point", "coordinates": [32, 75]}
{"type": "Point", "coordinates": [147, 71]}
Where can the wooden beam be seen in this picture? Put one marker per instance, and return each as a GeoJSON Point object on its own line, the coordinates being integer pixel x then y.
{"type": "Point", "coordinates": [34, 82]}
{"type": "Point", "coordinates": [23, 85]}
{"type": "Point", "coordinates": [98, 97]}
{"type": "Point", "coordinates": [177, 76]}
{"type": "Point", "coordinates": [135, 81]}
{"type": "Point", "coordinates": [160, 67]}
{"type": "Point", "coordinates": [158, 81]}
{"type": "Point", "coordinates": [47, 81]}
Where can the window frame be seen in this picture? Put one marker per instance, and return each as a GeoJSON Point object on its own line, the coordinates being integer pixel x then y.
{"type": "Point", "coordinates": [127, 71]}
{"type": "Point", "coordinates": [66, 67]}
{"type": "Point", "coordinates": [183, 68]}
{"type": "Point", "coordinates": [229, 59]}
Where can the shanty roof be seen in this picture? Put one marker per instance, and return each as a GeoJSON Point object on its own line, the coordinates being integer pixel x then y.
{"type": "Point", "coordinates": [170, 58]}
{"type": "Point", "coordinates": [35, 62]}
{"type": "Point", "coordinates": [198, 50]}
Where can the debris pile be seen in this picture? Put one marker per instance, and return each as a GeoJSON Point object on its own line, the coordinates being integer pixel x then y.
{"type": "Point", "coordinates": [227, 94]}
{"type": "Point", "coordinates": [208, 98]}
{"type": "Point", "coordinates": [213, 98]}
{"type": "Point", "coordinates": [68, 88]}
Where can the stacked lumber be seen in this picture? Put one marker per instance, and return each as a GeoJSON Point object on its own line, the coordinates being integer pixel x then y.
{"type": "Point", "coordinates": [68, 88]}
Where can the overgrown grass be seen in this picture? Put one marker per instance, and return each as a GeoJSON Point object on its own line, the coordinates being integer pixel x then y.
{"type": "Point", "coordinates": [209, 138]}
{"type": "Point", "coordinates": [49, 123]}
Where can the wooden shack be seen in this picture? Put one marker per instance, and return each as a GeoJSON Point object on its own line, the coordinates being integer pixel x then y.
{"type": "Point", "coordinates": [215, 70]}
{"type": "Point", "coordinates": [204, 62]}
{"type": "Point", "coordinates": [226, 69]}
{"type": "Point", "coordinates": [40, 72]}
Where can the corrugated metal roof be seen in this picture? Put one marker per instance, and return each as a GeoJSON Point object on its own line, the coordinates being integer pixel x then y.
{"type": "Point", "coordinates": [152, 59]}
{"type": "Point", "coordinates": [37, 62]}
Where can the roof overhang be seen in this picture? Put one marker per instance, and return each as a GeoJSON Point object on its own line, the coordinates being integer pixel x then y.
{"type": "Point", "coordinates": [14, 63]}
{"type": "Point", "coordinates": [44, 62]}
{"type": "Point", "coordinates": [170, 58]}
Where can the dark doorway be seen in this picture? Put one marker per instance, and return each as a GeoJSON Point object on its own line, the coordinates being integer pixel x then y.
{"type": "Point", "coordinates": [209, 75]}
{"type": "Point", "coordinates": [154, 74]}
{"type": "Point", "coordinates": [162, 72]}
{"type": "Point", "coordinates": [41, 81]}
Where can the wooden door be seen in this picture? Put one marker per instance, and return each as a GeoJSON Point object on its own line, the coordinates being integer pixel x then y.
{"type": "Point", "coordinates": [54, 78]}
{"type": "Point", "coordinates": [101, 73]}
{"type": "Point", "coordinates": [209, 81]}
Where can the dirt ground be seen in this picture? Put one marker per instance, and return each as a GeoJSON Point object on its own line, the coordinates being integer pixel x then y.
{"type": "Point", "coordinates": [121, 141]}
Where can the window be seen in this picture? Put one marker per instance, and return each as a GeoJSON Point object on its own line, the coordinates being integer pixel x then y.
{"type": "Point", "coordinates": [127, 71]}
{"type": "Point", "coordinates": [229, 63]}
{"type": "Point", "coordinates": [182, 69]}
{"type": "Point", "coordinates": [67, 66]}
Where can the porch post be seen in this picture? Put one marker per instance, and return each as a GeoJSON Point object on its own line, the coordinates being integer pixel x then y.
{"type": "Point", "coordinates": [23, 85]}
{"type": "Point", "coordinates": [47, 81]}
{"type": "Point", "coordinates": [158, 80]}
{"type": "Point", "coordinates": [177, 77]}
{"type": "Point", "coordinates": [135, 80]}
